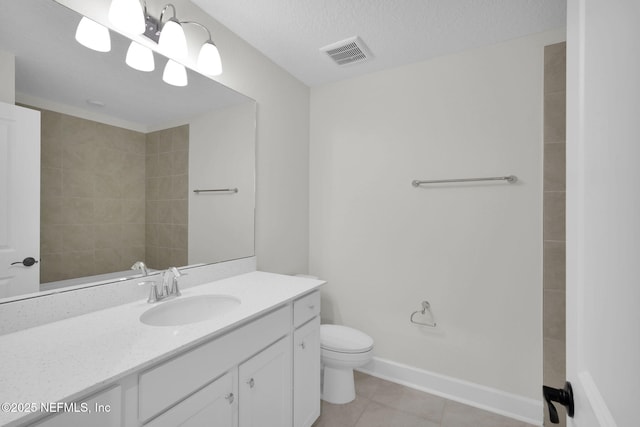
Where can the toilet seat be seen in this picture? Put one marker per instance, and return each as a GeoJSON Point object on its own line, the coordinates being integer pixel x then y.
{"type": "Point", "coordinates": [343, 339]}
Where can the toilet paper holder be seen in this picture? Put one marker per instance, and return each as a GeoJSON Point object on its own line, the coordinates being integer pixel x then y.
{"type": "Point", "coordinates": [426, 308]}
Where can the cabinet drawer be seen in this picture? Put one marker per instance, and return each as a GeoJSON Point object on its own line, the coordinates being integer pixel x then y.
{"type": "Point", "coordinates": [171, 381]}
{"type": "Point", "coordinates": [306, 308]}
{"type": "Point", "coordinates": [213, 405]}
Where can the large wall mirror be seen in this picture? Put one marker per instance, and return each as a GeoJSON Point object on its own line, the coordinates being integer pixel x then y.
{"type": "Point", "coordinates": [123, 153]}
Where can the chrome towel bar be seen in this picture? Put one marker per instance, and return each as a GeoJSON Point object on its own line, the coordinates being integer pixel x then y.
{"type": "Point", "coordinates": [510, 179]}
{"type": "Point", "coordinates": [221, 190]}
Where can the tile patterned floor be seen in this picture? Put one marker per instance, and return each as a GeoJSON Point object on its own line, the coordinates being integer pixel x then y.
{"type": "Point", "coordinates": [382, 403]}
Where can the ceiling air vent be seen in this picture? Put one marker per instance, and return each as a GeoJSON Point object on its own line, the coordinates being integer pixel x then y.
{"type": "Point", "coordinates": [349, 51]}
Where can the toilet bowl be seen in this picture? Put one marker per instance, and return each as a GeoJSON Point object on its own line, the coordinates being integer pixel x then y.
{"type": "Point", "coordinates": [341, 350]}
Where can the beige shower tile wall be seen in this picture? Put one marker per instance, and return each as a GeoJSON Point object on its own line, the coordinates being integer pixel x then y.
{"type": "Point", "coordinates": [554, 218]}
{"type": "Point", "coordinates": [167, 178]}
{"type": "Point", "coordinates": [92, 197]}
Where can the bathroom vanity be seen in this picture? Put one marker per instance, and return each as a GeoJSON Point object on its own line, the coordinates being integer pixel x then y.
{"type": "Point", "coordinates": [254, 364]}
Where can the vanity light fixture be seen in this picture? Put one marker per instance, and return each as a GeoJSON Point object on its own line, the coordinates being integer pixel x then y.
{"type": "Point", "coordinates": [174, 74]}
{"type": "Point", "coordinates": [93, 35]}
{"type": "Point", "coordinates": [140, 57]}
{"type": "Point", "coordinates": [209, 62]}
{"type": "Point", "coordinates": [127, 16]}
{"type": "Point", "coordinates": [172, 42]}
{"type": "Point", "coordinates": [131, 17]}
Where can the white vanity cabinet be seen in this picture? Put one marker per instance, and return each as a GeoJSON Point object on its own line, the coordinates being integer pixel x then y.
{"type": "Point", "coordinates": [175, 381]}
{"type": "Point", "coordinates": [265, 387]}
{"type": "Point", "coordinates": [263, 373]}
{"type": "Point", "coordinates": [306, 360]}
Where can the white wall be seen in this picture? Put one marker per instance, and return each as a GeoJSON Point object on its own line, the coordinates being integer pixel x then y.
{"type": "Point", "coordinates": [474, 251]}
{"type": "Point", "coordinates": [282, 205]}
{"type": "Point", "coordinates": [7, 77]}
{"type": "Point", "coordinates": [222, 155]}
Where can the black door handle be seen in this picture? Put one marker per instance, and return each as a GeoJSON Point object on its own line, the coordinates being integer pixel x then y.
{"type": "Point", "coordinates": [27, 262]}
{"type": "Point", "coordinates": [563, 396]}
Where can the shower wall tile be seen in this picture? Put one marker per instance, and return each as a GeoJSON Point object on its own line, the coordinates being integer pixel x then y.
{"type": "Point", "coordinates": [555, 67]}
{"type": "Point", "coordinates": [554, 265]}
{"type": "Point", "coordinates": [51, 181]}
{"type": "Point", "coordinates": [554, 302]}
{"type": "Point", "coordinates": [554, 362]}
{"type": "Point", "coordinates": [554, 117]}
{"type": "Point", "coordinates": [167, 197]}
{"type": "Point", "coordinates": [554, 217]}
{"type": "Point", "coordinates": [93, 184]}
{"type": "Point", "coordinates": [555, 166]}
{"type": "Point", "coordinates": [51, 210]}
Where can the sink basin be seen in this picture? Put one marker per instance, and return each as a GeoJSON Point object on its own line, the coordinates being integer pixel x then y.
{"type": "Point", "coordinates": [185, 310]}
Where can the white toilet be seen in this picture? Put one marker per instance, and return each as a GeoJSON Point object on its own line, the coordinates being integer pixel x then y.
{"type": "Point", "coordinates": [342, 349]}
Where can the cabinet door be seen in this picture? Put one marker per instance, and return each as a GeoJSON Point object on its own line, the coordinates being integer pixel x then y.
{"type": "Point", "coordinates": [215, 406]}
{"type": "Point", "coordinates": [100, 410]}
{"type": "Point", "coordinates": [306, 374]}
{"type": "Point", "coordinates": [265, 387]}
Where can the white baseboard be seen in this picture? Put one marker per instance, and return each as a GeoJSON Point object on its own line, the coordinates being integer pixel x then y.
{"type": "Point", "coordinates": [479, 396]}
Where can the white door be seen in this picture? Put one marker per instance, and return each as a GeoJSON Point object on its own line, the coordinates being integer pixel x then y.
{"type": "Point", "coordinates": [603, 211]}
{"type": "Point", "coordinates": [19, 199]}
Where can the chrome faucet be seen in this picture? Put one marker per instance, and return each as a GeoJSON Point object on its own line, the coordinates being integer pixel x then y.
{"type": "Point", "coordinates": [139, 265]}
{"type": "Point", "coordinates": [166, 288]}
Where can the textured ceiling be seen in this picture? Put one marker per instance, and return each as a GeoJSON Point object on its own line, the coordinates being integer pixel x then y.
{"type": "Point", "coordinates": [397, 32]}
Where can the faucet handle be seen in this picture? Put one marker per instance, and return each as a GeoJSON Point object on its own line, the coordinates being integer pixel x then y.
{"type": "Point", "coordinates": [175, 290]}
{"type": "Point", "coordinates": [155, 292]}
{"type": "Point", "coordinates": [176, 272]}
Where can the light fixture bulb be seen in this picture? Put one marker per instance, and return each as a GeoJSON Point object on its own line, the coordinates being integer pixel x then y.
{"type": "Point", "coordinates": [173, 42]}
{"type": "Point", "coordinates": [140, 57]}
{"type": "Point", "coordinates": [175, 74]}
{"type": "Point", "coordinates": [127, 16]}
{"type": "Point", "coordinates": [93, 35]}
{"type": "Point", "coordinates": [209, 59]}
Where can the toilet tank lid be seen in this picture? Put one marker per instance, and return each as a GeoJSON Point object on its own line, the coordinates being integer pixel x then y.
{"type": "Point", "coordinates": [344, 339]}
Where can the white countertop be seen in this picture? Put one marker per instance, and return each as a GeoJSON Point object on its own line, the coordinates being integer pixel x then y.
{"type": "Point", "coordinates": [62, 361]}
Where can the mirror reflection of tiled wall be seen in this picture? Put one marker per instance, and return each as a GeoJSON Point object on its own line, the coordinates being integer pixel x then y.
{"type": "Point", "coordinates": [110, 197]}
{"type": "Point", "coordinates": [554, 218]}
{"type": "Point", "coordinates": [167, 166]}
{"type": "Point", "coordinates": [92, 197]}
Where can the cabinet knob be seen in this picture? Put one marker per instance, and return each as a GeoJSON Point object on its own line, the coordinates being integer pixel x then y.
{"type": "Point", "coordinates": [302, 345]}
{"type": "Point", "coordinates": [251, 383]}
{"type": "Point", "coordinates": [230, 397]}
{"type": "Point", "coordinates": [311, 306]}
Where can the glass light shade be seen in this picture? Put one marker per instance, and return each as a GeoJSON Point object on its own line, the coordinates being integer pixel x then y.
{"type": "Point", "coordinates": [173, 42]}
{"type": "Point", "coordinates": [140, 57]}
{"type": "Point", "coordinates": [209, 59]}
{"type": "Point", "coordinates": [127, 16]}
{"type": "Point", "coordinates": [175, 74]}
{"type": "Point", "coordinates": [93, 35]}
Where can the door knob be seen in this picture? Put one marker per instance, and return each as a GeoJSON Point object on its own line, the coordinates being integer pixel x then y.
{"type": "Point", "coordinates": [563, 396]}
{"type": "Point", "coordinates": [27, 262]}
